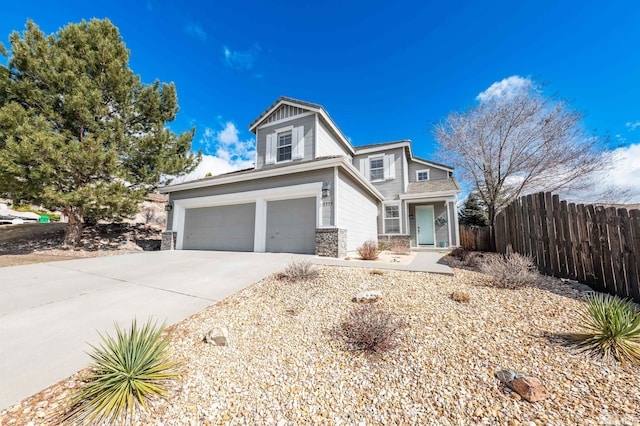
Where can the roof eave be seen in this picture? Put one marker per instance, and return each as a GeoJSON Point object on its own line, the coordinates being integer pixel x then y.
{"type": "Point", "coordinates": [329, 162]}
{"type": "Point", "coordinates": [425, 195]}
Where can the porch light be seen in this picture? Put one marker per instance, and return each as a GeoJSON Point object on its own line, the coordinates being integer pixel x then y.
{"type": "Point", "coordinates": [326, 189]}
{"type": "Point", "coordinates": [169, 206]}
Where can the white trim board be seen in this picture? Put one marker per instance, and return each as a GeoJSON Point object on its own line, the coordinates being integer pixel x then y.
{"type": "Point", "coordinates": [283, 120]}
{"type": "Point", "coordinates": [429, 196]}
{"type": "Point", "coordinates": [279, 171]}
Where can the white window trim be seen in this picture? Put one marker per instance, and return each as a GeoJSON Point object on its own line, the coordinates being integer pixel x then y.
{"type": "Point", "coordinates": [284, 130]}
{"type": "Point", "coordinates": [423, 171]}
{"type": "Point", "coordinates": [376, 157]}
{"type": "Point", "coordinates": [384, 217]}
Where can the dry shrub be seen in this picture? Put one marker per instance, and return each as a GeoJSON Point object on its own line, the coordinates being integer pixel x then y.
{"type": "Point", "coordinates": [472, 259]}
{"type": "Point", "coordinates": [299, 270]}
{"type": "Point", "coordinates": [368, 250]}
{"type": "Point", "coordinates": [377, 272]}
{"type": "Point", "coordinates": [371, 328]}
{"type": "Point", "coordinates": [458, 253]}
{"type": "Point", "coordinates": [512, 270]}
{"type": "Point", "coordinates": [460, 296]}
{"type": "Point", "coordinates": [398, 247]}
{"type": "Point", "coordinates": [469, 259]}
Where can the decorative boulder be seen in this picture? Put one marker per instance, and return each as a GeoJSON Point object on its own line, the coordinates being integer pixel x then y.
{"type": "Point", "coordinates": [368, 296]}
{"type": "Point", "coordinates": [217, 336]}
{"type": "Point", "coordinates": [530, 388]}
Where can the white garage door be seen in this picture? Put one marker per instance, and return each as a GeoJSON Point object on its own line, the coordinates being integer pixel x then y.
{"type": "Point", "coordinates": [291, 226]}
{"type": "Point", "coordinates": [220, 228]}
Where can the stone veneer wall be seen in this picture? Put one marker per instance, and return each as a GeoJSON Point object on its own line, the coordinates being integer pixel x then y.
{"type": "Point", "coordinates": [387, 240]}
{"type": "Point", "coordinates": [168, 240]}
{"type": "Point", "coordinates": [331, 242]}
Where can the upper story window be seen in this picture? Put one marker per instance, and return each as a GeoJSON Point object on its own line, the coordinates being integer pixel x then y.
{"type": "Point", "coordinates": [422, 175]}
{"type": "Point", "coordinates": [376, 168]}
{"type": "Point", "coordinates": [284, 146]}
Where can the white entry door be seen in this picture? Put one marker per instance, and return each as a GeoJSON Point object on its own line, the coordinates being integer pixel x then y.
{"type": "Point", "coordinates": [424, 224]}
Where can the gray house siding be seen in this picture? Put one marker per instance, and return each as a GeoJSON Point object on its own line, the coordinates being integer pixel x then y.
{"type": "Point", "coordinates": [356, 212]}
{"type": "Point", "coordinates": [260, 184]}
{"type": "Point", "coordinates": [442, 231]}
{"type": "Point", "coordinates": [327, 142]}
{"type": "Point", "coordinates": [285, 111]}
{"type": "Point", "coordinates": [434, 172]}
{"type": "Point", "coordinates": [390, 188]}
{"type": "Point", "coordinates": [309, 123]}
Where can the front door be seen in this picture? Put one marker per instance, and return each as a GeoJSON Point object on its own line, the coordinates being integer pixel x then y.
{"type": "Point", "coordinates": [424, 224]}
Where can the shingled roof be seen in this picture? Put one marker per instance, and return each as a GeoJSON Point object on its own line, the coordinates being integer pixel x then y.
{"type": "Point", "coordinates": [436, 185]}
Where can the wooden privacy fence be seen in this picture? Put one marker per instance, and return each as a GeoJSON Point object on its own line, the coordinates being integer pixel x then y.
{"type": "Point", "coordinates": [475, 238]}
{"type": "Point", "coordinates": [596, 245]}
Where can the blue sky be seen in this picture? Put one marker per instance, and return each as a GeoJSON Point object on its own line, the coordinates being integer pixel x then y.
{"type": "Point", "coordinates": [383, 70]}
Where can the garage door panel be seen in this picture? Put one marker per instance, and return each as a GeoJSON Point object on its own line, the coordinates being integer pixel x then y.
{"type": "Point", "coordinates": [291, 226]}
{"type": "Point", "coordinates": [220, 228]}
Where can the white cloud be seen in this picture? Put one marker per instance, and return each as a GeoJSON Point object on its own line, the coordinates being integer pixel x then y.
{"type": "Point", "coordinates": [505, 88]}
{"type": "Point", "coordinates": [625, 173]}
{"type": "Point", "coordinates": [242, 60]}
{"type": "Point", "coordinates": [224, 152]}
{"type": "Point", "coordinates": [632, 125]}
{"type": "Point", "coordinates": [196, 30]}
{"type": "Point", "coordinates": [623, 178]}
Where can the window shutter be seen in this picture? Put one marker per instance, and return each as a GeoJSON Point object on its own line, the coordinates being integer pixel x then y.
{"type": "Point", "coordinates": [364, 168]}
{"type": "Point", "coordinates": [270, 154]}
{"type": "Point", "coordinates": [390, 169]}
{"type": "Point", "coordinates": [298, 142]}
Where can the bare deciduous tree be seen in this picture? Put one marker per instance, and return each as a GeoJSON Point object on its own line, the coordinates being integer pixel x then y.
{"type": "Point", "coordinates": [519, 143]}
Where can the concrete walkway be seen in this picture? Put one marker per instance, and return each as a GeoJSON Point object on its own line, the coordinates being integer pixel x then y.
{"type": "Point", "coordinates": [49, 311]}
{"type": "Point", "coordinates": [425, 261]}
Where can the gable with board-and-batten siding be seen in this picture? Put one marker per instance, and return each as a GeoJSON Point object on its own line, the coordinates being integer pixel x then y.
{"type": "Point", "coordinates": [283, 112]}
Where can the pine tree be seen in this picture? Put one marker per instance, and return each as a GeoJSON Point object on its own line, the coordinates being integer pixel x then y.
{"type": "Point", "coordinates": [473, 212]}
{"type": "Point", "coordinates": [79, 131]}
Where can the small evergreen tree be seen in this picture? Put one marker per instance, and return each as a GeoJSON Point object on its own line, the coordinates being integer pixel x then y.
{"type": "Point", "coordinates": [79, 131]}
{"type": "Point", "coordinates": [473, 212]}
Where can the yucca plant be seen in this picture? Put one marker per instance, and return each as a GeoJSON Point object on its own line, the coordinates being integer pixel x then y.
{"type": "Point", "coordinates": [612, 327]}
{"type": "Point", "coordinates": [127, 371]}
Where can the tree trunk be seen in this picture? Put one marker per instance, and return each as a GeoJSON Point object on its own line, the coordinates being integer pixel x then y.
{"type": "Point", "coordinates": [74, 228]}
{"type": "Point", "coordinates": [492, 221]}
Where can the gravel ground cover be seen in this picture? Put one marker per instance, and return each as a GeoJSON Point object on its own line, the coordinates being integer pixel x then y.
{"type": "Point", "coordinates": [286, 364]}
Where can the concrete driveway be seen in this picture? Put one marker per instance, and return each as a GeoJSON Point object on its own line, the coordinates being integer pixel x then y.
{"type": "Point", "coordinates": [49, 311]}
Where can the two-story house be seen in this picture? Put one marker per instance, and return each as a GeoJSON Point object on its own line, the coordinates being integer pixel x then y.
{"type": "Point", "coordinates": [311, 191]}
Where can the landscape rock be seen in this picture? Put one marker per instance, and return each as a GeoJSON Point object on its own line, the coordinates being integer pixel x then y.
{"type": "Point", "coordinates": [217, 336]}
{"type": "Point", "coordinates": [368, 296]}
{"type": "Point", "coordinates": [508, 376]}
{"type": "Point", "coordinates": [130, 245]}
{"type": "Point", "coordinates": [529, 388]}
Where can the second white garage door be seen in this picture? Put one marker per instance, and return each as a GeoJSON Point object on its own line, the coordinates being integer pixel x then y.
{"type": "Point", "coordinates": [291, 226]}
{"type": "Point", "coordinates": [220, 228]}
